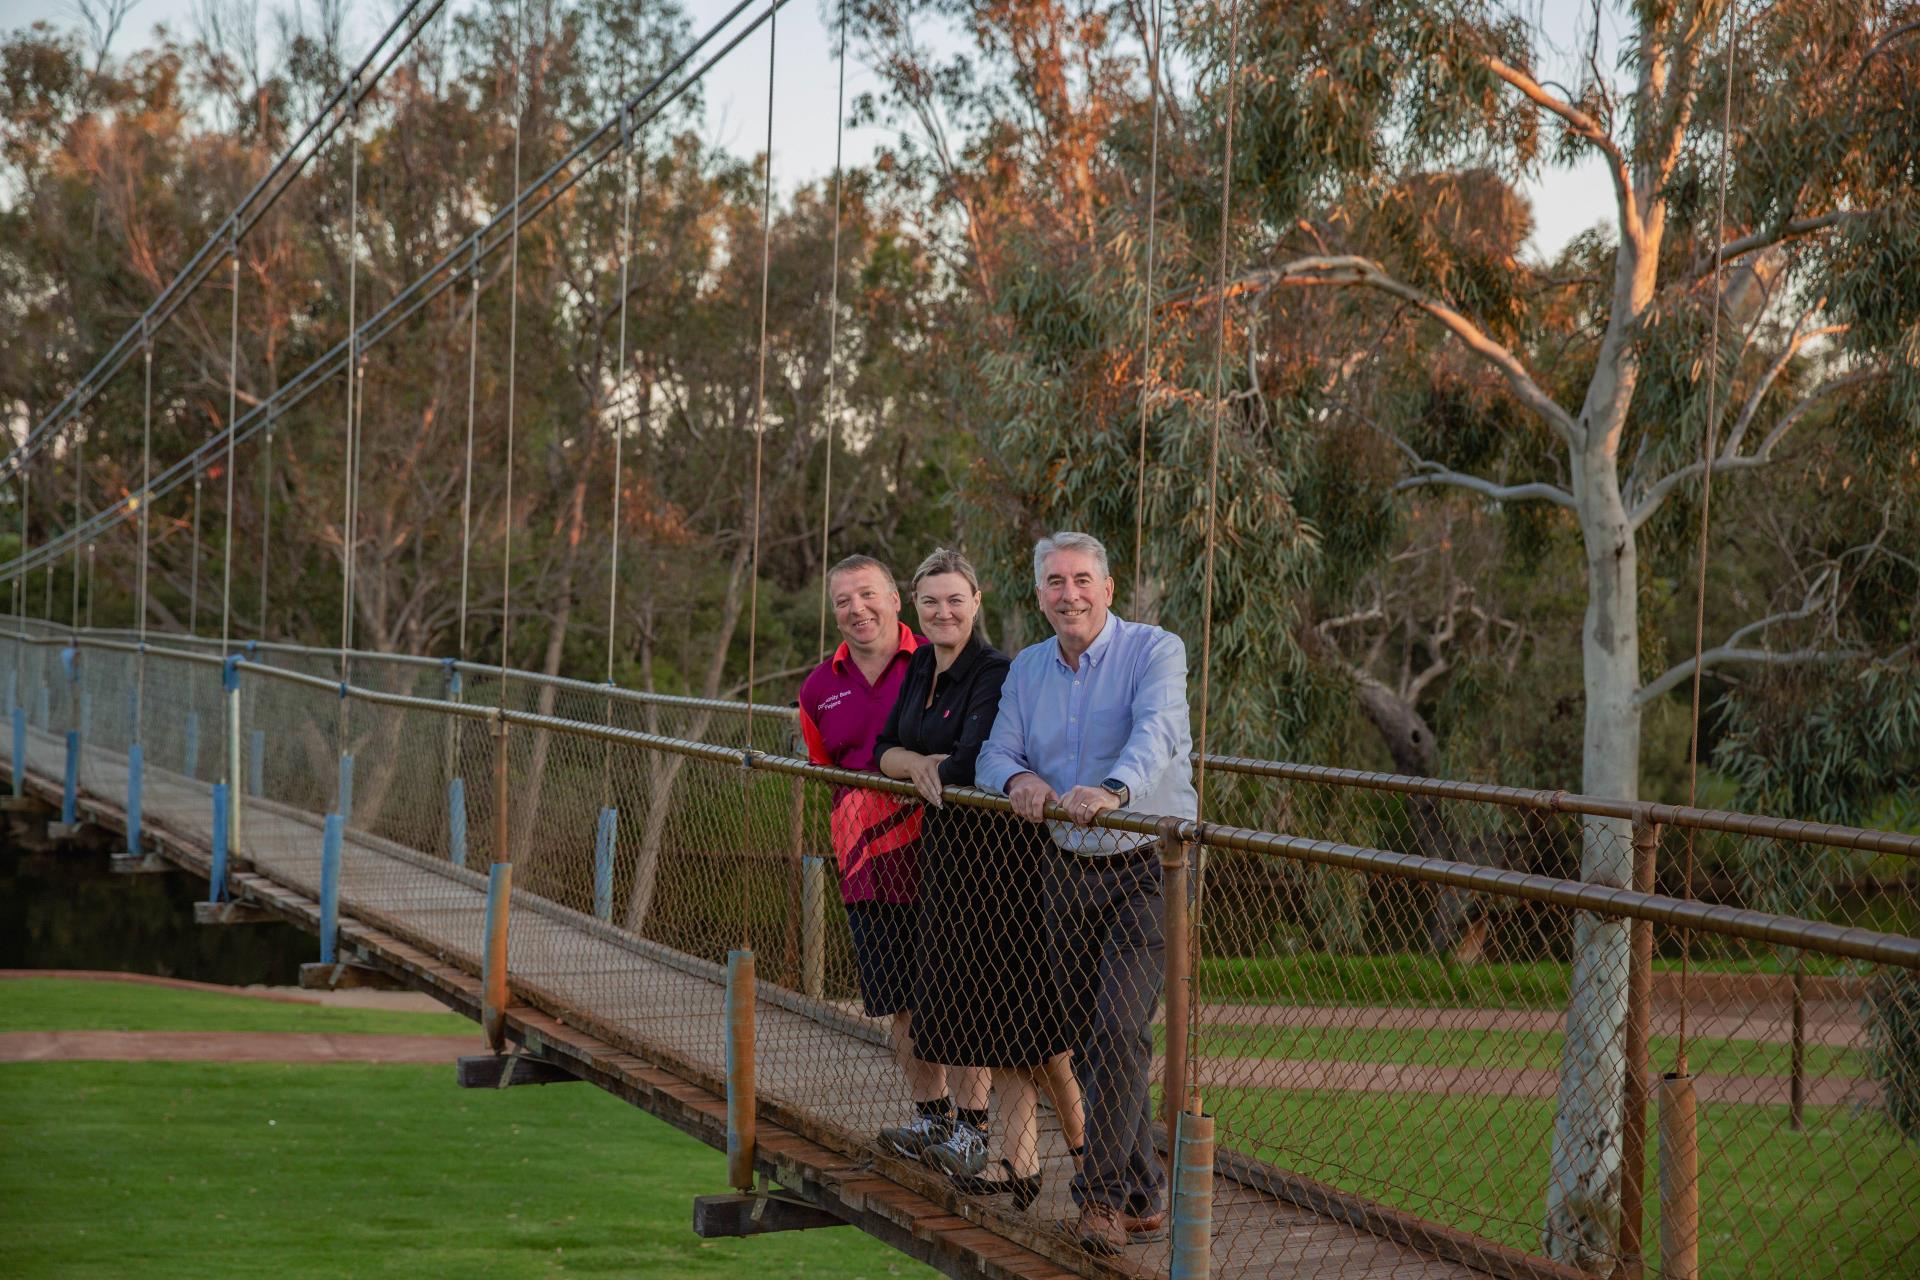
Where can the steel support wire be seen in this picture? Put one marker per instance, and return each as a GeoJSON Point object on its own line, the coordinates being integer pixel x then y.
{"type": "Point", "coordinates": [233, 227]}
{"type": "Point", "coordinates": [449, 270]}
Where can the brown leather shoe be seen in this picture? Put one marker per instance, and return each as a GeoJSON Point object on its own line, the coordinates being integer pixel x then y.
{"type": "Point", "coordinates": [1146, 1226]}
{"type": "Point", "coordinates": [1100, 1231]}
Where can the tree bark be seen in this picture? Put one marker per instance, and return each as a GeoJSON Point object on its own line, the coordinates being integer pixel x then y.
{"type": "Point", "coordinates": [1583, 1195]}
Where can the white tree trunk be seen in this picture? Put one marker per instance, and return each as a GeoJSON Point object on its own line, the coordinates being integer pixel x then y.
{"type": "Point", "coordinates": [1583, 1192]}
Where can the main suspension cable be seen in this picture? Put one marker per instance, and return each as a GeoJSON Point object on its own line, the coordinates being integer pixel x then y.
{"type": "Point", "coordinates": [435, 280]}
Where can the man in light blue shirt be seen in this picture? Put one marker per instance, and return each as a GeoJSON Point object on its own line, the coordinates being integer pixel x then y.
{"type": "Point", "coordinates": [1092, 720]}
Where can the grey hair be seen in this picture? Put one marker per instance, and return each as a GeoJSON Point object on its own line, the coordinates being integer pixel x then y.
{"type": "Point", "coordinates": [1068, 541]}
{"type": "Point", "coordinates": [945, 560]}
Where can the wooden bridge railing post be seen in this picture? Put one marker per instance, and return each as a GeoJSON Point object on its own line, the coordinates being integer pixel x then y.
{"type": "Point", "coordinates": [740, 1069]}
{"type": "Point", "coordinates": [1174, 926]}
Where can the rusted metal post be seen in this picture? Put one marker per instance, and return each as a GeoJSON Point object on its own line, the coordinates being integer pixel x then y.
{"type": "Point", "coordinates": [1174, 925]}
{"type": "Point", "coordinates": [230, 681]}
{"type": "Point", "coordinates": [1679, 1180]}
{"type": "Point", "coordinates": [493, 969]}
{"type": "Point", "coordinates": [740, 1099]}
{"type": "Point", "coordinates": [1639, 1065]}
{"type": "Point", "coordinates": [1797, 1087]}
{"type": "Point", "coordinates": [1192, 1195]}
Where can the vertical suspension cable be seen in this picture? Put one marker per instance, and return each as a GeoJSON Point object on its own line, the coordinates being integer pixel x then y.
{"type": "Point", "coordinates": [466, 497]}
{"type": "Point", "coordinates": [193, 574]}
{"type": "Point", "coordinates": [1708, 444]}
{"type": "Point", "coordinates": [627, 142]}
{"type": "Point", "coordinates": [233, 404]}
{"type": "Point", "coordinates": [266, 518]}
{"type": "Point", "coordinates": [80, 433]}
{"type": "Point", "coordinates": [1213, 494]}
{"type": "Point", "coordinates": [1146, 315]}
{"type": "Point", "coordinates": [833, 321]}
{"type": "Point", "coordinates": [759, 438]}
{"type": "Point", "coordinates": [513, 334]}
{"type": "Point", "coordinates": [146, 518]}
{"type": "Point", "coordinates": [91, 578]}
{"type": "Point", "coordinates": [353, 367]}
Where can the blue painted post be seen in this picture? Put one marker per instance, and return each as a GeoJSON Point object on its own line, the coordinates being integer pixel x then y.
{"type": "Point", "coordinates": [740, 1078]}
{"type": "Point", "coordinates": [257, 763]}
{"type": "Point", "coordinates": [70, 789]}
{"type": "Point", "coordinates": [1192, 1196]}
{"type": "Point", "coordinates": [345, 805]}
{"type": "Point", "coordinates": [217, 874]}
{"type": "Point", "coordinates": [192, 762]}
{"type": "Point", "coordinates": [603, 840]}
{"type": "Point", "coordinates": [19, 751]}
{"type": "Point", "coordinates": [330, 889]}
{"type": "Point", "coordinates": [136, 770]}
{"type": "Point", "coordinates": [457, 821]}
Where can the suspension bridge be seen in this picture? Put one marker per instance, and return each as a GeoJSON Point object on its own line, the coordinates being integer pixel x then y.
{"type": "Point", "coordinates": [634, 890]}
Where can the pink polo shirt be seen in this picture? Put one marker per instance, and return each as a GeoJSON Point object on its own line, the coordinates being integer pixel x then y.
{"type": "Point", "coordinates": [841, 715]}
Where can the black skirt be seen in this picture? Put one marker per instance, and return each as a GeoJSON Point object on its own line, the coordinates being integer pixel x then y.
{"type": "Point", "coordinates": [985, 993]}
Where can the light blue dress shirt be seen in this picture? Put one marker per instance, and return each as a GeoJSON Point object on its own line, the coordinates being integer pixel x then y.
{"type": "Point", "coordinates": [1122, 715]}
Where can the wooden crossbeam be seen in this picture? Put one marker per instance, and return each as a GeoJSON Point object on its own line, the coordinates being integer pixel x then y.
{"type": "Point", "coordinates": [504, 1070]}
{"type": "Point", "coordinates": [232, 913]}
{"type": "Point", "coordinates": [344, 974]}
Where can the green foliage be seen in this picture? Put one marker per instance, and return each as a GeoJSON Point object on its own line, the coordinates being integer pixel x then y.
{"type": "Point", "coordinates": [1893, 1047]}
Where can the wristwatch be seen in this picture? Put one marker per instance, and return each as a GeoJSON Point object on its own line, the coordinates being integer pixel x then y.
{"type": "Point", "coordinates": [1118, 790]}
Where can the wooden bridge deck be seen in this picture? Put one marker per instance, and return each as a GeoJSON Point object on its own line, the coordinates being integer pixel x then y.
{"type": "Point", "coordinates": [646, 1023]}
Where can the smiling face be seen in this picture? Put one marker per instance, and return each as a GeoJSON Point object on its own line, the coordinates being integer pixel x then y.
{"type": "Point", "coordinates": [866, 608]}
{"type": "Point", "coordinates": [1075, 595]}
{"type": "Point", "coordinates": [947, 605]}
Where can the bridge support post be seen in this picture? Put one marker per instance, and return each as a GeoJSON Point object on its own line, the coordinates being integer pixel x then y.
{"type": "Point", "coordinates": [740, 1076]}
{"type": "Point", "coordinates": [70, 786]}
{"type": "Point", "coordinates": [1634, 1098]}
{"type": "Point", "coordinates": [217, 871]}
{"type": "Point", "coordinates": [230, 680]}
{"type": "Point", "coordinates": [1174, 928]}
{"type": "Point", "coordinates": [330, 889]}
{"type": "Point", "coordinates": [1679, 1180]}
{"type": "Point", "coordinates": [604, 836]}
{"type": "Point", "coordinates": [493, 963]}
{"type": "Point", "coordinates": [1192, 1196]}
{"type": "Point", "coordinates": [344, 802]}
{"type": "Point", "coordinates": [136, 773]}
{"type": "Point", "coordinates": [813, 926]}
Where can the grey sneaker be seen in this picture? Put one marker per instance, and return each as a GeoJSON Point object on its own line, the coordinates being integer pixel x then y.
{"type": "Point", "coordinates": [962, 1155]}
{"type": "Point", "coordinates": [914, 1137]}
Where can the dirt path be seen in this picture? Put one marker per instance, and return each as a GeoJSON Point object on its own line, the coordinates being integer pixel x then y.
{"type": "Point", "coordinates": [233, 1046]}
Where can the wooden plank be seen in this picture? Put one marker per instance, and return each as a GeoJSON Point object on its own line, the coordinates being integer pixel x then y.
{"type": "Point", "coordinates": [726, 1216]}
{"type": "Point", "coordinates": [505, 1070]}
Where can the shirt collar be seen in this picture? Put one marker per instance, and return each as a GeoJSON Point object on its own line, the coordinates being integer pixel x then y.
{"type": "Point", "coordinates": [908, 643]}
{"type": "Point", "coordinates": [1097, 649]}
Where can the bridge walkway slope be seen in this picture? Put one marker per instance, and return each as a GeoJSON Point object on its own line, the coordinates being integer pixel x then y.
{"type": "Point", "coordinates": [647, 1023]}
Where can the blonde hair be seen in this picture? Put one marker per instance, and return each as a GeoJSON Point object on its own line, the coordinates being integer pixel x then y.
{"type": "Point", "coordinates": [946, 560]}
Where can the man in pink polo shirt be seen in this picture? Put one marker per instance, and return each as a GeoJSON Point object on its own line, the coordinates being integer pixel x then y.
{"type": "Point", "coordinates": [843, 707]}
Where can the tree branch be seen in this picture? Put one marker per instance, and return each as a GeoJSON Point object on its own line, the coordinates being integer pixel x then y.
{"type": "Point", "coordinates": [1725, 654]}
{"type": "Point", "coordinates": [1769, 237]}
{"type": "Point", "coordinates": [1761, 456]}
{"type": "Point", "coordinates": [1578, 123]}
{"type": "Point", "coordinates": [1538, 491]}
{"type": "Point", "coordinates": [1348, 271]}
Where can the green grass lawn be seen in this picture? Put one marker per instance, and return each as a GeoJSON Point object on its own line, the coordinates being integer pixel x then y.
{"type": "Point", "coordinates": [208, 1169]}
{"type": "Point", "coordinates": [74, 1004]}
{"type": "Point", "coordinates": [1824, 1201]}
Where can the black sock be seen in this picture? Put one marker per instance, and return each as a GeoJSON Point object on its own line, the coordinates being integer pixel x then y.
{"type": "Point", "coordinates": [933, 1107]}
{"type": "Point", "coordinates": [976, 1118]}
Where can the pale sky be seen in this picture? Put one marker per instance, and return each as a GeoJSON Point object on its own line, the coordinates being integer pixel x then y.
{"type": "Point", "coordinates": [1566, 200]}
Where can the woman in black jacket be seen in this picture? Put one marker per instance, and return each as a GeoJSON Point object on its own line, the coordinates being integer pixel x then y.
{"type": "Point", "coordinates": [984, 993]}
